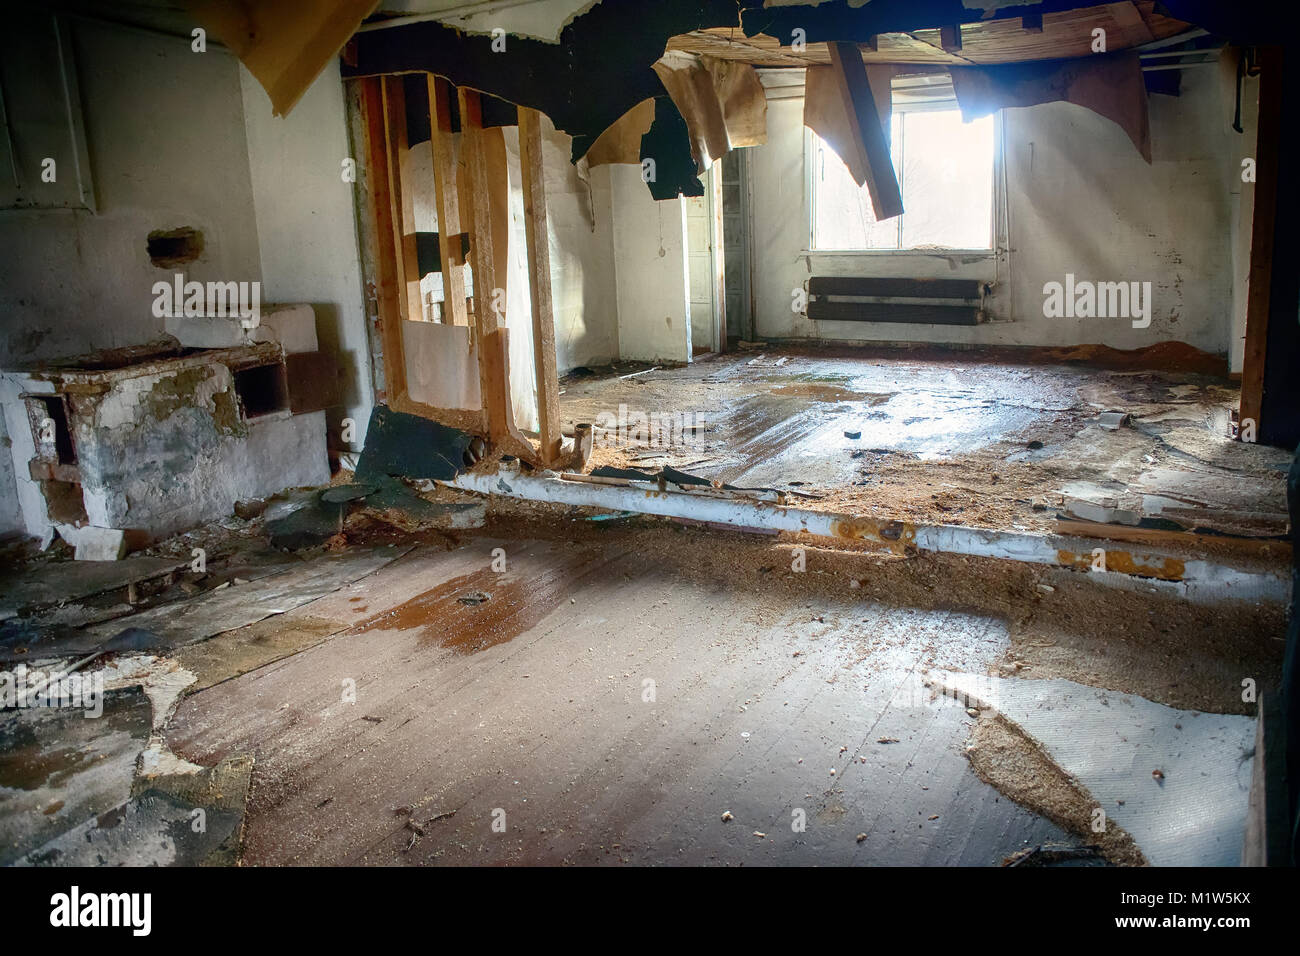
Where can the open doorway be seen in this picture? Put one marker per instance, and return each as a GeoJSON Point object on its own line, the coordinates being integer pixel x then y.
{"type": "Point", "coordinates": [706, 262]}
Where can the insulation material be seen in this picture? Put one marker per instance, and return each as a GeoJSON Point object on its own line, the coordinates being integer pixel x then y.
{"type": "Point", "coordinates": [284, 43]}
{"type": "Point", "coordinates": [824, 113]}
{"type": "Point", "coordinates": [723, 104]}
{"type": "Point", "coordinates": [1110, 85]}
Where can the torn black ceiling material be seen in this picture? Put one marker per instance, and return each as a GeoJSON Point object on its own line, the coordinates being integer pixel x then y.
{"type": "Point", "coordinates": [668, 144]}
{"type": "Point", "coordinates": [600, 68]}
{"type": "Point", "coordinates": [401, 445]}
{"type": "Point", "coordinates": [597, 71]}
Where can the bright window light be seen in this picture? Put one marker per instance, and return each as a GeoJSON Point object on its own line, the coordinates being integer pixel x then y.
{"type": "Point", "coordinates": [945, 170]}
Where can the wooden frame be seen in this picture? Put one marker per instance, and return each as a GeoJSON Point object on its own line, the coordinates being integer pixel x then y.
{"type": "Point", "coordinates": [1268, 139]}
{"type": "Point", "coordinates": [464, 198]}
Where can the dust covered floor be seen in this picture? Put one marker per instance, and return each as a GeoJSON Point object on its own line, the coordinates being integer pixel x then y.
{"type": "Point", "coordinates": [604, 691]}
{"type": "Point", "coordinates": [995, 438]}
{"type": "Point", "coordinates": [615, 692]}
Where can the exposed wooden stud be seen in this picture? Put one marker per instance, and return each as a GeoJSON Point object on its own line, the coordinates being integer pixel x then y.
{"type": "Point", "coordinates": [950, 38]}
{"type": "Point", "coordinates": [872, 151]}
{"type": "Point", "coordinates": [873, 44]}
{"type": "Point", "coordinates": [451, 251]}
{"type": "Point", "coordinates": [1268, 139]}
{"type": "Point", "coordinates": [387, 296]}
{"type": "Point", "coordinates": [403, 200]}
{"type": "Point", "coordinates": [539, 284]}
{"type": "Point", "coordinates": [1032, 23]}
{"type": "Point", "coordinates": [490, 339]}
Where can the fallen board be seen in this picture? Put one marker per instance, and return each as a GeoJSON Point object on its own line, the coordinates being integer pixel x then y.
{"type": "Point", "coordinates": [214, 612]}
{"type": "Point", "coordinates": [57, 583]}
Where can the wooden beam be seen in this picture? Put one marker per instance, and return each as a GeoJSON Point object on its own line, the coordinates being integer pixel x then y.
{"type": "Point", "coordinates": [950, 38]}
{"type": "Point", "coordinates": [1268, 139]}
{"type": "Point", "coordinates": [403, 199]}
{"type": "Point", "coordinates": [1032, 23]}
{"type": "Point", "coordinates": [387, 296]}
{"type": "Point", "coordinates": [1132, 27]}
{"type": "Point", "coordinates": [539, 284]}
{"type": "Point", "coordinates": [868, 137]}
{"type": "Point", "coordinates": [452, 255]}
{"type": "Point", "coordinates": [489, 336]}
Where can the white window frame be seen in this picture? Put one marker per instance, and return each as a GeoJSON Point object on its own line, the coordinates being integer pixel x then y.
{"type": "Point", "coordinates": [996, 227]}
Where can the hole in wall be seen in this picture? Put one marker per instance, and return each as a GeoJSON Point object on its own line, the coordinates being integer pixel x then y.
{"type": "Point", "coordinates": [52, 409]}
{"type": "Point", "coordinates": [169, 248]}
{"type": "Point", "coordinates": [262, 390]}
{"type": "Point", "coordinates": [63, 502]}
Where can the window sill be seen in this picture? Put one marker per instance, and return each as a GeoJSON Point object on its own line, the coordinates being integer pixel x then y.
{"type": "Point", "coordinates": [876, 253]}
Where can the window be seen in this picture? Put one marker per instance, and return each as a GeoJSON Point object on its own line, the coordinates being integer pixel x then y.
{"type": "Point", "coordinates": [945, 170]}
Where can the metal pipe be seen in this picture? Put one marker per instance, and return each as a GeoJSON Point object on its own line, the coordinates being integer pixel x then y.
{"type": "Point", "coordinates": [1193, 579]}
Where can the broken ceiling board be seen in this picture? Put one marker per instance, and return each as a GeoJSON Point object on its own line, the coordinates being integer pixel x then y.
{"type": "Point", "coordinates": [1177, 781]}
{"type": "Point", "coordinates": [1067, 33]}
{"type": "Point", "coordinates": [1067, 29]}
{"type": "Point", "coordinates": [597, 55]}
{"type": "Point", "coordinates": [285, 44]}
{"type": "Point", "coordinates": [621, 143]}
{"type": "Point", "coordinates": [824, 113]}
{"type": "Point", "coordinates": [865, 141]}
{"type": "Point", "coordinates": [59, 582]}
{"type": "Point", "coordinates": [690, 85]}
{"type": "Point", "coordinates": [226, 609]}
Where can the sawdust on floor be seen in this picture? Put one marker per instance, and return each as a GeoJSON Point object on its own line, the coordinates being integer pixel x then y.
{"type": "Point", "coordinates": [1004, 757]}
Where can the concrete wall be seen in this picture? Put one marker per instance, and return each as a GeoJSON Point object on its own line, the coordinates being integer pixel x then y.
{"type": "Point", "coordinates": [306, 228]}
{"type": "Point", "coordinates": [165, 134]}
{"type": "Point", "coordinates": [650, 265]}
{"type": "Point", "coordinates": [1081, 200]}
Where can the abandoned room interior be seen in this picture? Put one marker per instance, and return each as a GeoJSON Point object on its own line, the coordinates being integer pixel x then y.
{"type": "Point", "coordinates": [727, 432]}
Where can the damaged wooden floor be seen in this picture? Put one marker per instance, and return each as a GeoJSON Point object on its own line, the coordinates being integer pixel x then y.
{"type": "Point", "coordinates": [607, 698]}
{"type": "Point", "coordinates": [1002, 439]}
{"type": "Point", "coordinates": [611, 713]}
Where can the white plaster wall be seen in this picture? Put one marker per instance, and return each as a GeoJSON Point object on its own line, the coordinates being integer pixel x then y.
{"type": "Point", "coordinates": [1081, 200]}
{"type": "Point", "coordinates": [651, 270]}
{"type": "Point", "coordinates": [165, 134]}
{"type": "Point", "coordinates": [580, 227]}
{"type": "Point", "coordinates": [306, 228]}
